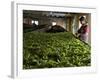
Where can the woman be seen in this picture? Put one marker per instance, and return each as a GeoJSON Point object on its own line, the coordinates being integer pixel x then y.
{"type": "Point", "coordinates": [82, 33]}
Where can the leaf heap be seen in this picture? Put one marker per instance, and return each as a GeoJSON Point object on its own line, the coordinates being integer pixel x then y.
{"type": "Point", "coordinates": [50, 50]}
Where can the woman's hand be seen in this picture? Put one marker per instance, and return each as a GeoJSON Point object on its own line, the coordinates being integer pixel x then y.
{"type": "Point", "coordinates": [77, 34]}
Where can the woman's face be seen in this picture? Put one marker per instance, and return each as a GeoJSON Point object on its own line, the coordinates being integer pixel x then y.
{"type": "Point", "coordinates": [83, 22]}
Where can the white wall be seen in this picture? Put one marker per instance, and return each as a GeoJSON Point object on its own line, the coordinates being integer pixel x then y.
{"type": "Point", "coordinates": [5, 39]}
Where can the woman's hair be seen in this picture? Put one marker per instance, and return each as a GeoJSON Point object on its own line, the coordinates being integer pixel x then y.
{"type": "Point", "coordinates": [82, 18]}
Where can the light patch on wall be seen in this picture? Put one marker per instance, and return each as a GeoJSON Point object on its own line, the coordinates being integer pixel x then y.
{"type": "Point", "coordinates": [36, 22]}
{"type": "Point", "coordinates": [33, 21]}
{"type": "Point", "coordinates": [54, 23]}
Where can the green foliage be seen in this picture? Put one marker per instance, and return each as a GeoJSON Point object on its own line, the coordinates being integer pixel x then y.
{"type": "Point", "coordinates": [47, 50]}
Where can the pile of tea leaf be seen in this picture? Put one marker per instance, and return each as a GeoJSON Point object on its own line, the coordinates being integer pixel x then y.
{"type": "Point", "coordinates": [50, 50]}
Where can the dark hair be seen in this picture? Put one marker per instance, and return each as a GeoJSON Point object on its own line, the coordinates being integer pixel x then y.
{"type": "Point", "coordinates": [82, 18]}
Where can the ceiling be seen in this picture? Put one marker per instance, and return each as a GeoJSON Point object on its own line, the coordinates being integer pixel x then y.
{"type": "Point", "coordinates": [32, 14]}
